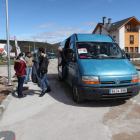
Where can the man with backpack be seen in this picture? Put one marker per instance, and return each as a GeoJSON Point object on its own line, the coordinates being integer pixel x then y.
{"type": "Point", "coordinates": [42, 72]}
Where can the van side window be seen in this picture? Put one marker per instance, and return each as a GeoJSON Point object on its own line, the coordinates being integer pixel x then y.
{"type": "Point", "coordinates": [62, 44]}
{"type": "Point", "coordinates": [72, 43]}
{"type": "Point", "coordinates": [71, 46]}
{"type": "Point", "coordinates": [67, 43]}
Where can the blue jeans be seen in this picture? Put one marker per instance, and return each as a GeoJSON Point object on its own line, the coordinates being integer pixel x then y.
{"type": "Point", "coordinates": [44, 81]}
{"type": "Point", "coordinates": [28, 73]}
{"type": "Point", "coordinates": [20, 85]}
{"type": "Point", "coordinates": [64, 71]}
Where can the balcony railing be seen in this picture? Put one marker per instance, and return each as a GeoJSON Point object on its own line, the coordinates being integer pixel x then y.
{"type": "Point", "coordinates": [133, 30]}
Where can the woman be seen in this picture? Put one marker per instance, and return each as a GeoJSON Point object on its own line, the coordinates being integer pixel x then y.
{"type": "Point", "coordinates": [20, 66]}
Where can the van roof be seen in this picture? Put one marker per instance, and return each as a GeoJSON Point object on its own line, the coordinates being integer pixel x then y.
{"type": "Point", "coordinates": [93, 37]}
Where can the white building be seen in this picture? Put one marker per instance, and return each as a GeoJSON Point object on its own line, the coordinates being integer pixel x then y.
{"type": "Point", "coordinates": [125, 32]}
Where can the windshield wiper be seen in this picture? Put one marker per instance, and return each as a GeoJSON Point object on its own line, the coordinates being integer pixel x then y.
{"type": "Point", "coordinates": [96, 57]}
{"type": "Point", "coordinates": [114, 57]}
{"type": "Point", "coordinates": [102, 57]}
{"type": "Point", "coordinates": [107, 57]}
{"type": "Point", "coordinates": [90, 57]}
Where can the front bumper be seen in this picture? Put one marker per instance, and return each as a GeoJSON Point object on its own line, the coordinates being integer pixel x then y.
{"type": "Point", "coordinates": [93, 93]}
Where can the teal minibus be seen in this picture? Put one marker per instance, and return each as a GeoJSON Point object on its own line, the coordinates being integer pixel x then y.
{"type": "Point", "coordinates": [98, 69]}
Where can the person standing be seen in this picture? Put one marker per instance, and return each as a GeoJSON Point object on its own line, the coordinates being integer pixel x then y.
{"type": "Point", "coordinates": [20, 66]}
{"type": "Point", "coordinates": [29, 63]}
{"type": "Point", "coordinates": [43, 69]}
{"type": "Point", "coordinates": [64, 62]}
{"type": "Point", "coordinates": [35, 76]}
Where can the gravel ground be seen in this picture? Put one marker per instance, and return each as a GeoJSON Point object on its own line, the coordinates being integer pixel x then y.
{"type": "Point", "coordinates": [4, 90]}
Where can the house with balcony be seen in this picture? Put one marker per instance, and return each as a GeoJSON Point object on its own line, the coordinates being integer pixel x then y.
{"type": "Point", "coordinates": [125, 32]}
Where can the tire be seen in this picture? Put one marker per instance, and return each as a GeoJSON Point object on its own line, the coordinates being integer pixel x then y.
{"type": "Point", "coordinates": [76, 95]}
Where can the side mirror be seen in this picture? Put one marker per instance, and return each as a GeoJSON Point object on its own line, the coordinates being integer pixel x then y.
{"type": "Point", "coordinates": [128, 56]}
{"type": "Point", "coordinates": [71, 55]}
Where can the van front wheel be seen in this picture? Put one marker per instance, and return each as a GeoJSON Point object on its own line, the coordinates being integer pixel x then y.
{"type": "Point", "coordinates": [76, 95]}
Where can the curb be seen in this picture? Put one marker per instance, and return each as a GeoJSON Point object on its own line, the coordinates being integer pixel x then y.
{"type": "Point", "coordinates": [6, 101]}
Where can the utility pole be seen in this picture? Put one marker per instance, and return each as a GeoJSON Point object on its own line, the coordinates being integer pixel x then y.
{"type": "Point", "coordinates": [45, 50]}
{"type": "Point", "coordinates": [8, 50]}
{"type": "Point", "coordinates": [46, 47]}
{"type": "Point", "coordinates": [43, 46]}
{"type": "Point", "coordinates": [34, 45]}
{"type": "Point", "coordinates": [29, 48]}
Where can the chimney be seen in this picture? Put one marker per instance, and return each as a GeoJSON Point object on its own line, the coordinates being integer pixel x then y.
{"type": "Point", "coordinates": [109, 21]}
{"type": "Point", "coordinates": [104, 20]}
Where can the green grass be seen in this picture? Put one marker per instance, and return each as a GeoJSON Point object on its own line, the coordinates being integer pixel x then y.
{"type": "Point", "coordinates": [136, 62]}
{"type": "Point", "coordinates": [5, 63]}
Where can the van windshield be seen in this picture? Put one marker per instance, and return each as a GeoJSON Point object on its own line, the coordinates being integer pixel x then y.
{"type": "Point", "coordinates": [99, 50]}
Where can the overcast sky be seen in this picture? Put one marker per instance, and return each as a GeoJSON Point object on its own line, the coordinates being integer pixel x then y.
{"type": "Point", "coordinates": [55, 20]}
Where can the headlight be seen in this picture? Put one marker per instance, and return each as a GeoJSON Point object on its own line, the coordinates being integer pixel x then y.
{"type": "Point", "coordinates": [90, 80]}
{"type": "Point", "coordinates": [135, 78]}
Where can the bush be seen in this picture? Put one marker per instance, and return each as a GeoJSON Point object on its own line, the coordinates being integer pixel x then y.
{"type": "Point", "coordinates": [4, 62]}
{"type": "Point", "coordinates": [2, 54]}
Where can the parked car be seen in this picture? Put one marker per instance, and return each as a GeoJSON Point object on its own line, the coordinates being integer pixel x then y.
{"type": "Point", "coordinates": [98, 69]}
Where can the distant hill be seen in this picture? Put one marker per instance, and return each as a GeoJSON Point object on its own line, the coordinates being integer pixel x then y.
{"type": "Point", "coordinates": [57, 44]}
{"type": "Point", "coordinates": [24, 46]}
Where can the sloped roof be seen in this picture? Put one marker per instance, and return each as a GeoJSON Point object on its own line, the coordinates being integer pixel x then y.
{"type": "Point", "coordinates": [115, 25]}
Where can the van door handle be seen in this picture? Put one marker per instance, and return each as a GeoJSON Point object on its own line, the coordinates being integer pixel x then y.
{"type": "Point", "coordinates": [71, 66]}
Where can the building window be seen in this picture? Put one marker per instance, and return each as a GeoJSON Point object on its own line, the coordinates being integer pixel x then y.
{"type": "Point", "coordinates": [131, 49]}
{"type": "Point", "coordinates": [131, 39]}
{"type": "Point", "coordinates": [128, 27]}
{"type": "Point", "coordinates": [126, 49]}
{"type": "Point", "coordinates": [136, 49]}
{"type": "Point", "coordinates": [114, 37]}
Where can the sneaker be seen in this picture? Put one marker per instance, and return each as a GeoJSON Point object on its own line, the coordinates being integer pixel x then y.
{"type": "Point", "coordinates": [48, 90]}
{"type": "Point", "coordinates": [42, 94]}
{"type": "Point", "coordinates": [29, 81]}
{"type": "Point", "coordinates": [25, 83]}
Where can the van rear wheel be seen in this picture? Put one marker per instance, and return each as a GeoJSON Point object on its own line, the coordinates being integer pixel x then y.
{"type": "Point", "coordinates": [76, 95]}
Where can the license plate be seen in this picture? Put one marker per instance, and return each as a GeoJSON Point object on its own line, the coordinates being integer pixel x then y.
{"type": "Point", "coordinates": [122, 90]}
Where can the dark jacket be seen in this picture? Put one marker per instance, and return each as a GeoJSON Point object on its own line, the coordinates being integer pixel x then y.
{"type": "Point", "coordinates": [43, 64]}
{"type": "Point", "coordinates": [20, 67]}
{"type": "Point", "coordinates": [63, 54]}
{"type": "Point", "coordinates": [35, 68]}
